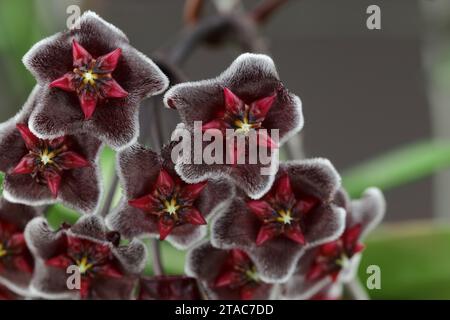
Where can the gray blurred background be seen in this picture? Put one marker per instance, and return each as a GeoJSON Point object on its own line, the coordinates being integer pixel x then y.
{"type": "Point", "coordinates": [364, 92]}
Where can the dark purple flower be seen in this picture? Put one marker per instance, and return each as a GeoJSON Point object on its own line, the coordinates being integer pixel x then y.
{"type": "Point", "coordinates": [92, 81]}
{"type": "Point", "coordinates": [43, 171]}
{"type": "Point", "coordinates": [16, 261]}
{"type": "Point", "coordinates": [107, 269]}
{"type": "Point", "coordinates": [169, 288]}
{"type": "Point", "coordinates": [158, 203]}
{"type": "Point", "coordinates": [247, 98]}
{"type": "Point", "coordinates": [337, 262]}
{"type": "Point", "coordinates": [297, 213]}
{"type": "Point", "coordinates": [6, 294]}
{"type": "Point", "coordinates": [227, 274]}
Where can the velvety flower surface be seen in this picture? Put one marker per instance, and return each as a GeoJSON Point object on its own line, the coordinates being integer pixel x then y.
{"type": "Point", "coordinates": [107, 269]}
{"type": "Point", "coordinates": [6, 294]}
{"type": "Point", "coordinates": [43, 171]}
{"type": "Point", "coordinates": [16, 261]}
{"type": "Point", "coordinates": [169, 288]}
{"type": "Point", "coordinates": [245, 99]}
{"type": "Point", "coordinates": [92, 81]}
{"type": "Point", "coordinates": [337, 261]}
{"type": "Point", "coordinates": [158, 203]}
{"type": "Point", "coordinates": [227, 274]}
{"type": "Point", "coordinates": [296, 214]}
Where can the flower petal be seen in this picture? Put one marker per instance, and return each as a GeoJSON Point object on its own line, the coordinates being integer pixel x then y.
{"type": "Point", "coordinates": [260, 108]}
{"type": "Point", "coordinates": [111, 89]}
{"type": "Point", "coordinates": [53, 181]}
{"type": "Point", "coordinates": [88, 102]}
{"type": "Point", "coordinates": [233, 104]}
{"type": "Point", "coordinates": [31, 141]}
{"type": "Point", "coordinates": [25, 166]}
{"type": "Point", "coordinates": [65, 82]}
{"type": "Point", "coordinates": [80, 55]}
{"type": "Point", "coordinates": [108, 62]}
{"type": "Point", "coordinates": [70, 160]}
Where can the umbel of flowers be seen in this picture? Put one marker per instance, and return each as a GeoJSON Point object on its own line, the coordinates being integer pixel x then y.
{"type": "Point", "coordinates": [289, 233]}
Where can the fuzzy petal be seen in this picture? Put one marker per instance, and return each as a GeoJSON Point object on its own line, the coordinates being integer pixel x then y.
{"type": "Point", "coordinates": [204, 263]}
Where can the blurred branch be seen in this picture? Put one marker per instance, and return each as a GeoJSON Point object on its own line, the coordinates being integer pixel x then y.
{"type": "Point", "coordinates": [265, 10]}
{"type": "Point", "coordinates": [191, 12]}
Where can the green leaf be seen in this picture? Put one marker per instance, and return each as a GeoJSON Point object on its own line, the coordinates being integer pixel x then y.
{"type": "Point", "coordinates": [413, 259]}
{"type": "Point", "coordinates": [398, 167]}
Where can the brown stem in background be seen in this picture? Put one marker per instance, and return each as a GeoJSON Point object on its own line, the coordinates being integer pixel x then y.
{"type": "Point", "coordinates": [265, 9]}
{"type": "Point", "coordinates": [191, 12]}
{"type": "Point", "coordinates": [110, 196]}
{"type": "Point", "coordinates": [156, 258]}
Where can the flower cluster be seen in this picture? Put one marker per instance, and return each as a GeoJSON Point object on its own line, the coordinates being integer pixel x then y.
{"type": "Point", "coordinates": [289, 233]}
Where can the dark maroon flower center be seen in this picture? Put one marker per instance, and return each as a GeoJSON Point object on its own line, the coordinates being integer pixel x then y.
{"type": "Point", "coordinates": [239, 273]}
{"type": "Point", "coordinates": [13, 250]}
{"type": "Point", "coordinates": [91, 78]}
{"type": "Point", "coordinates": [47, 159]}
{"type": "Point", "coordinates": [282, 213]}
{"type": "Point", "coordinates": [334, 256]}
{"type": "Point", "coordinates": [243, 117]}
{"type": "Point", "coordinates": [172, 202]}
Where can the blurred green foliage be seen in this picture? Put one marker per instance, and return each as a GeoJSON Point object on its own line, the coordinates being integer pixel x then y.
{"type": "Point", "coordinates": [20, 29]}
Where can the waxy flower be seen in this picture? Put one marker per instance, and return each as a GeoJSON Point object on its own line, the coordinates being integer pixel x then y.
{"type": "Point", "coordinates": [297, 213]}
{"type": "Point", "coordinates": [169, 288]}
{"type": "Point", "coordinates": [227, 274]}
{"type": "Point", "coordinates": [337, 262]}
{"type": "Point", "coordinates": [92, 81]}
{"type": "Point", "coordinates": [158, 203]}
{"type": "Point", "coordinates": [106, 269]}
{"type": "Point", "coordinates": [6, 294]}
{"type": "Point", "coordinates": [247, 99]}
{"type": "Point", "coordinates": [43, 171]}
{"type": "Point", "coordinates": [16, 261]}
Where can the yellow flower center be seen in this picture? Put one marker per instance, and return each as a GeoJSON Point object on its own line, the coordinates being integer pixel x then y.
{"type": "Point", "coordinates": [171, 206]}
{"type": "Point", "coordinates": [344, 261]}
{"type": "Point", "coordinates": [285, 216]}
{"type": "Point", "coordinates": [89, 77]}
{"type": "Point", "coordinates": [47, 157]}
{"type": "Point", "coordinates": [83, 265]}
{"type": "Point", "coordinates": [243, 127]}
{"type": "Point", "coordinates": [252, 274]}
{"type": "Point", "coordinates": [3, 251]}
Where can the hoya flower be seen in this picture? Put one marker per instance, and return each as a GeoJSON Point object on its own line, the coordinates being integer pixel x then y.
{"type": "Point", "coordinates": [83, 261]}
{"type": "Point", "coordinates": [249, 100]}
{"type": "Point", "coordinates": [42, 171]}
{"type": "Point", "coordinates": [297, 213]}
{"type": "Point", "coordinates": [16, 261]}
{"type": "Point", "coordinates": [158, 203]}
{"type": "Point", "coordinates": [92, 81]}
{"type": "Point", "coordinates": [227, 274]}
{"type": "Point", "coordinates": [337, 262]}
{"type": "Point", "coordinates": [6, 294]}
{"type": "Point", "coordinates": [169, 288]}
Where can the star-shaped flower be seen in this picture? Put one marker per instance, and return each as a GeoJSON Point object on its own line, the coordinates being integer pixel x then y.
{"type": "Point", "coordinates": [91, 78]}
{"type": "Point", "coordinates": [16, 261]}
{"type": "Point", "coordinates": [43, 171]}
{"type": "Point", "coordinates": [297, 213]}
{"type": "Point", "coordinates": [158, 202]}
{"type": "Point", "coordinates": [336, 262]}
{"type": "Point", "coordinates": [249, 100]}
{"type": "Point", "coordinates": [227, 274]}
{"type": "Point", "coordinates": [92, 81]}
{"type": "Point", "coordinates": [107, 269]}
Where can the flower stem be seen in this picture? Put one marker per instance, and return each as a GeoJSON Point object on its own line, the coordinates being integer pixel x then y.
{"type": "Point", "coordinates": [110, 196]}
{"type": "Point", "coordinates": [356, 291]}
{"type": "Point", "coordinates": [156, 255]}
